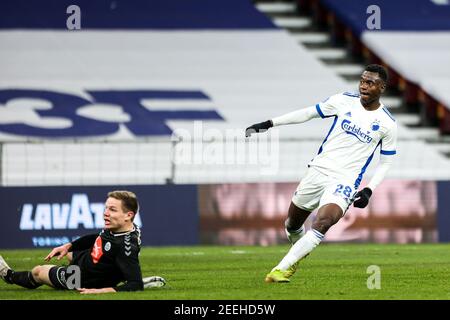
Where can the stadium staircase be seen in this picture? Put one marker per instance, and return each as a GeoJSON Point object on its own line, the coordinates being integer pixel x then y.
{"type": "Point", "coordinates": [321, 34]}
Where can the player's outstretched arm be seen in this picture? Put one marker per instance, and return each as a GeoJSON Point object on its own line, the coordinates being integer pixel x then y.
{"type": "Point", "coordinates": [82, 243]}
{"type": "Point", "coordinates": [60, 252]}
{"type": "Point", "coordinates": [298, 116]}
{"type": "Point", "coordinates": [96, 291]}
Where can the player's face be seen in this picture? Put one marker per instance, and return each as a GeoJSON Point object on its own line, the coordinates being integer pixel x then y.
{"type": "Point", "coordinates": [115, 218]}
{"type": "Point", "coordinates": [370, 87]}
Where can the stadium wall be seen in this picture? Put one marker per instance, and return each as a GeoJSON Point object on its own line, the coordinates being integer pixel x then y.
{"type": "Point", "coordinates": [443, 220]}
{"type": "Point", "coordinates": [401, 211]}
{"type": "Point", "coordinates": [50, 216]}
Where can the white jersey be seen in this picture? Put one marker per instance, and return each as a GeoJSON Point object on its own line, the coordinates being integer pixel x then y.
{"type": "Point", "coordinates": [353, 137]}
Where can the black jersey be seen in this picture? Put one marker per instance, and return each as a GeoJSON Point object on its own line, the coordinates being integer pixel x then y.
{"type": "Point", "coordinates": [106, 259]}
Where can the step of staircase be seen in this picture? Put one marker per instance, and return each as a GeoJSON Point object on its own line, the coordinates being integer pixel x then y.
{"type": "Point", "coordinates": [292, 22]}
{"type": "Point", "coordinates": [312, 37]}
{"type": "Point", "coordinates": [285, 14]}
{"type": "Point", "coordinates": [271, 8]}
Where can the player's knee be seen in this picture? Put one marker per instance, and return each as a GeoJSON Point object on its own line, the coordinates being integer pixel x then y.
{"type": "Point", "coordinates": [36, 271]}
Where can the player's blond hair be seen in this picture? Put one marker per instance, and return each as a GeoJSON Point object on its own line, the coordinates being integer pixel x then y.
{"type": "Point", "coordinates": [128, 198]}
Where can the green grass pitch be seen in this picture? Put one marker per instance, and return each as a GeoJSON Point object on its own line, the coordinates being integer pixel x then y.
{"type": "Point", "coordinates": [332, 271]}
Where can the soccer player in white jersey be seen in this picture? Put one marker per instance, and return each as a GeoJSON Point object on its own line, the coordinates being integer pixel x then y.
{"type": "Point", "coordinates": [361, 124]}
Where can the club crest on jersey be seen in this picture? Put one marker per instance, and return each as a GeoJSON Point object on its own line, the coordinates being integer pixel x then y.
{"type": "Point", "coordinates": [352, 129]}
{"type": "Point", "coordinates": [375, 125]}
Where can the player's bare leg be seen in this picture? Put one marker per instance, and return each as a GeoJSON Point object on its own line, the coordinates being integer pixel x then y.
{"type": "Point", "coordinates": [41, 274]}
{"type": "Point", "coordinates": [327, 216]}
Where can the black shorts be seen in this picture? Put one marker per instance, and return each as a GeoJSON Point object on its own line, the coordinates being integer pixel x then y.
{"type": "Point", "coordinates": [57, 276]}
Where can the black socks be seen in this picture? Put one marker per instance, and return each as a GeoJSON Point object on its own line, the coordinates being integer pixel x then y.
{"type": "Point", "coordinates": [22, 278]}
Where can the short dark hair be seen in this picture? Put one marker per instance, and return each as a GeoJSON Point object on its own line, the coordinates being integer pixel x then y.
{"type": "Point", "coordinates": [128, 198]}
{"type": "Point", "coordinates": [382, 72]}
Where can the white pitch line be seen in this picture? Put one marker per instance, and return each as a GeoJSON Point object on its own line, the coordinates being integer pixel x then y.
{"type": "Point", "coordinates": [238, 252]}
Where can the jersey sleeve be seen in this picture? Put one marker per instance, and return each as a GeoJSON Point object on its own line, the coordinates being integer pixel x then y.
{"type": "Point", "coordinates": [127, 260]}
{"type": "Point", "coordinates": [389, 142]}
{"type": "Point", "coordinates": [329, 107]}
{"type": "Point", "coordinates": [83, 243]}
{"type": "Point", "coordinates": [298, 116]}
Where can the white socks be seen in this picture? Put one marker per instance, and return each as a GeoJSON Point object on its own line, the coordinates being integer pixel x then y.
{"type": "Point", "coordinates": [294, 236]}
{"type": "Point", "coordinates": [300, 249]}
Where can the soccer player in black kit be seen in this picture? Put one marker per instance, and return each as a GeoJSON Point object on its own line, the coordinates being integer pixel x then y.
{"type": "Point", "coordinates": [104, 259]}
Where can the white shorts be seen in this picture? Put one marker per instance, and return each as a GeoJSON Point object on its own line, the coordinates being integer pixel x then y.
{"type": "Point", "coordinates": [317, 189]}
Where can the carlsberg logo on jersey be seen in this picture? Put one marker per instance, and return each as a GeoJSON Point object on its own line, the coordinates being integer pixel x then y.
{"type": "Point", "coordinates": [57, 216]}
{"type": "Point", "coordinates": [352, 129]}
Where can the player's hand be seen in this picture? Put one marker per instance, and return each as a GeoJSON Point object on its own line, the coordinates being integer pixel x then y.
{"type": "Point", "coordinates": [258, 127]}
{"type": "Point", "coordinates": [362, 198]}
{"type": "Point", "coordinates": [95, 291]}
{"type": "Point", "coordinates": [60, 251]}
